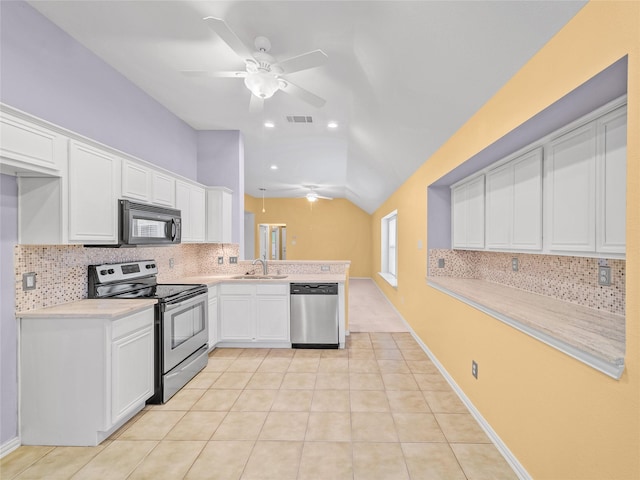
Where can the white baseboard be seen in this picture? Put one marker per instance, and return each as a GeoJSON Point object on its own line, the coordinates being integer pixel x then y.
{"type": "Point", "coordinates": [8, 447]}
{"type": "Point", "coordinates": [511, 459]}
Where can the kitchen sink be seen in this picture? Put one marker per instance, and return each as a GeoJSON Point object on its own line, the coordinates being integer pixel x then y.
{"type": "Point", "coordinates": [258, 277]}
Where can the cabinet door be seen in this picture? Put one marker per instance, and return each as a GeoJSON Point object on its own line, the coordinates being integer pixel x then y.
{"type": "Point", "coordinates": [571, 190]}
{"type": "Point", "coordinates": [213, 320]}
{"type": "Point", "coordinates": [163, 189]}
{"type": "Point", "coordinates": [460, 214]}
{"type": "Point", "coordinates": [272, 317]}
{"type": "Point", "coordinates": [499, 207]}
{"type": "Point", "coordinates": [132, 372]}
{"type": "Point", "coordinates": [236, 318]}
{"type": "Point", "coordinates": [190, 199]}
{"type": "Point", "coordinates": [197, 216]}
{"type": "Point", "coordinates": [136, 181]}
{"type": "Point", "coordinates": [27, 147]}
{"type": "Point", "coordinates": [475, 213]}
{"type": "Point", "coordinates": [94, 185]}
{"type": "Point", "coordinates": [612, 182]}
{"type": "Point", "coordinates": [526, 232]}
{"type": "Point", "coordinates": [219, 215]}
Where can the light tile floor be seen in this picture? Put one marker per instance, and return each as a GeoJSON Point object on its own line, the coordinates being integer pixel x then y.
{"type": "Point", "coordinates": [369, 310]}
{"type": "Point", "coordinates": [376, 410]}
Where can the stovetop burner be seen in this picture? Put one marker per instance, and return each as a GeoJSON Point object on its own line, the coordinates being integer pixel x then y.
{"type": "Point", "coordinates": [136, 280]}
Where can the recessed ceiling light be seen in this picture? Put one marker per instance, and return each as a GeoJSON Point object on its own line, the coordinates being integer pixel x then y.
{"type": "Point", "coordinates": [269, 124]}
{"type": "Point", "coordinates": [332, 125]}
{"type": "Point", "coordinates": [273, 167]}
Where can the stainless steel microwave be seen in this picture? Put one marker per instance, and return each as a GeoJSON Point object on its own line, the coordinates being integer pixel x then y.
{"type": "Point", "coordinates": [142, 224]}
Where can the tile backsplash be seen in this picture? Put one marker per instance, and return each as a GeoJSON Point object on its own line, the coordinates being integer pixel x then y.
{"type": "Point", "coordinates": [62, 269]}
{"type": "Point", "coordinates": [572, 279]}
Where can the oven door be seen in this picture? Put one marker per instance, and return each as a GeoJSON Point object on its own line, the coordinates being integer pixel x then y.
{"type": "Point", "coordinates": [184, 329]}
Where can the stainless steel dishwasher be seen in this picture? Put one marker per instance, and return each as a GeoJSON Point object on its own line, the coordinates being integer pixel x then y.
{"type": "Point", "coordinates": [314, 315]}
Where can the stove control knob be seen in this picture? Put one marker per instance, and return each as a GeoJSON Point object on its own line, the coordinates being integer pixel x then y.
{"type": "Point", "coordinates": [111, 271]}
{"type": "Point", "coordinates": [103, 272]}
{"type": "Point", "coordinates": [149, 266]}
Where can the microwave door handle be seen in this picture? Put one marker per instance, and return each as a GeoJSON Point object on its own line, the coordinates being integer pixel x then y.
{"type": "Point", "coordinates": [174, 229]}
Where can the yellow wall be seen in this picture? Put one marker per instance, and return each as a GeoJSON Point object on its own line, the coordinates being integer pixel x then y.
{"type": "Point", "coordinates": [559, 417]}
{"type": "Point", "coordinates": [326, 230]}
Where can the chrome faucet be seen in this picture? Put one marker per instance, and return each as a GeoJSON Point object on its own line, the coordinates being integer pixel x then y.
{"type": "Point", "coordinates": [264, 265]}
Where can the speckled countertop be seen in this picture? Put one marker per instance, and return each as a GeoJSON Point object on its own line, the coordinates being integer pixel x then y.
{"type": "Point", "coordinates": [91, 308]}
{"type": "Point", "coordinates": [598, 333]}
{"type": "Point", "coordinates": [212, 280]}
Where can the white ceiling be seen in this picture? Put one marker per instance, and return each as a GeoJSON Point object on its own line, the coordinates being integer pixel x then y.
{"type": "Point", "coordinates": [401, 78]}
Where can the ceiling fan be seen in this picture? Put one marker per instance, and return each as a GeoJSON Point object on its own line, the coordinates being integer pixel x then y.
{"type": "Point", "coordinates": [263, 74]}
{"type": "Point", "coordinates": [312, 196]}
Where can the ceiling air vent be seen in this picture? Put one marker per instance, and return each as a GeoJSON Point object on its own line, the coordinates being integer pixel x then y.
{"type": "Point", "coordinates": [299, 119]}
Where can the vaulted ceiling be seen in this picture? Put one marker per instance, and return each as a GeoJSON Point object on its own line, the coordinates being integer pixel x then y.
{"type": "Point", "coordinates": [400, 79]}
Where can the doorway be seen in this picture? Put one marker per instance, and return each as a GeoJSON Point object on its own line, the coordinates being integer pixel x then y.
{"type": "Point", "coordinates": [273, 241]}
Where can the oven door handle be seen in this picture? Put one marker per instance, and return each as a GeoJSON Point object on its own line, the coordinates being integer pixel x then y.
{"type": "Point", "coordinates": [174, 229]}
{"type": "Point", "coordinates": [198, 298]}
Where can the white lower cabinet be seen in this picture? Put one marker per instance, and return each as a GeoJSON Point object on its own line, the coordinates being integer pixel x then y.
{"type": "Point", "coordinates": [213, 317]}
{"type": "Point", "coordinates": [82, 378]}
{"type": "Point", "coordinates": [257, 313]}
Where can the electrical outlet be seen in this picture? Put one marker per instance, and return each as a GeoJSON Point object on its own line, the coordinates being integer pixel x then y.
{"type": "Point", "coordinates": [172, 263]}
{"type": "Point", "coordinates": [233, 259]}
{"type": "Point", "coordinates": [474, 369]}
{"type": "Point", "coordinates": [325, 268]}
{"type": "Point", "coordinates": [220, 260]}
{"type": "Point", "coordinates": [29, 281]}
{"type": "Point", "coordinates": [441, 263]}
{"type": "Point", "coordinates": [604, 276]}
{"type": "Point", "coordinates": [514, 264]}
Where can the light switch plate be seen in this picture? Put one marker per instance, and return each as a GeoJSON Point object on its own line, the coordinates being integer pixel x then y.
{"type": "Point", "coordinates": [220, 260]}
{"type": "Point", "coordinates": [233, 259]}
{"type": "Point", "coordinates": [29, 281]}
{"type": "Point", "coordinates": [441, 263]}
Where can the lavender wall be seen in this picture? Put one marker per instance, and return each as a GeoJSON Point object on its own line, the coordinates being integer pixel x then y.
{"type": "Point", "coordinates": [221, 163]}
{"type": "Point", "coordinates": [46, 73]}
{"type": "Point", "coordinates": [8, 335]}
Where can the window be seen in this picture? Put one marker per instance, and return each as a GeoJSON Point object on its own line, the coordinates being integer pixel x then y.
{"type": "Point", "coordinates": [388, 247]}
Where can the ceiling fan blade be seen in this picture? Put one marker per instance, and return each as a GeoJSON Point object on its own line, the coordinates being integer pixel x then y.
{"type": "Point", "coordinates": [226, 34]}
{"type": "Point", "coordinates": [196, 73]}
{"type": "Point", "coordinates": [303, 94]}
{"type": "Point", "coordinates": [256, 104]}
{"type": "Point", "coordinates": [303, 62]}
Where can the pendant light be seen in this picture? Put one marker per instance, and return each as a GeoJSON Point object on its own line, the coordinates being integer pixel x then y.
{"type": "Point", "coordinates": [263, 210]}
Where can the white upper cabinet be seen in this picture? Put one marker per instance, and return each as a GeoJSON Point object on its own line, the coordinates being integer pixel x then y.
{"type": "Point", "coordinates": [144, 184]}
{"type": "Point", "coordinates": [612, 181]}
{"type": "Point", "coordinates": [190, 200]}
{"type": "Point", "coordinates": [571, 191]}
{"type": "Point", "coordinates": [163, 189]}
{"type": "Point", "coordinates": [468, 214]}
{"type": "Point", "coordinates": [514, 204]}
{"type": "Point", "coordinates": [219, 214]}
{"type": "Point", "coordinates": [565, 196]}
{"type": "Point", "coordinates": [94, 185]}
{"type": "Point", "coordinates": [27, 148]}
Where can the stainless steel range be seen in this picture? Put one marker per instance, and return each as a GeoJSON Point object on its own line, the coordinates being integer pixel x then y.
{"type": "Point", "coordinates": [181, 323]}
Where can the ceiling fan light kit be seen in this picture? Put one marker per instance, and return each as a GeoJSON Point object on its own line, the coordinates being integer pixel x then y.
{"type": "Point", "coordinates": [263, 75]}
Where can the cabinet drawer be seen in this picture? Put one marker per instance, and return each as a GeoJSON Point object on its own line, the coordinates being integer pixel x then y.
{"type": "Point", "coordinates": [270, 289]}
{"type": "Point", "coordinates": [237, 289]}
{"type": "Point", "coordinates": [125, 326]}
